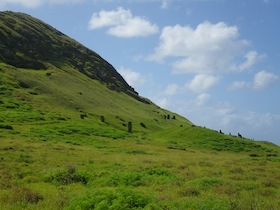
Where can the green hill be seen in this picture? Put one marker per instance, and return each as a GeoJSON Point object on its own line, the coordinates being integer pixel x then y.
{"type": "Point", "coordinates": [66, 140]}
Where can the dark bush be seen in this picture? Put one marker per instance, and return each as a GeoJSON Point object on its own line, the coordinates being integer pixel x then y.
{"type": "Point", "coordinates": [23, 195]}
{"type": "Point", "coordinates": [66, 176]}
{"type": "Point", "coordinates": [271, 155]}
{"type": "Point", "coordinates": [83, 116]}
{"type": "Point", "coordinates": [143, 125]}
{"type": "Point", "coordinates": [254, 155]}
{"type": "Point", "coordinates": [8, 127]}
{"type": "Point", "coordinates": [24, 84]}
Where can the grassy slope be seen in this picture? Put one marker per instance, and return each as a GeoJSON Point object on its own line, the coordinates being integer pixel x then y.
{"type": "Point", "coordinates": [50, 158]}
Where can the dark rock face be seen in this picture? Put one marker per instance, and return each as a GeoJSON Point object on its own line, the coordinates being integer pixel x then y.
{"type": "Point", "coordinates": [26, 42]}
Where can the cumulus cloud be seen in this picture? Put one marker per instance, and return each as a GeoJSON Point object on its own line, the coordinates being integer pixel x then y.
{"type": "Point", "coordinates": [122, 23]}
{"type": "Point", "coordinates": [202, 99]}
{"type": "Point", "coordinates": [172, 89]}
{"type": "Point", "coordinates": [163, 102]}
{"type": "Point", "coordinates": [202, 82]}
{"type": "Point", "coordinates": [252, 57]}
{"type": "Point", "coordinates": [208, 48]}
{"type": "Point", "coordinates": [133, 78]}
{"type": "Point", "coordinates": [238, 85]}
{"type": "Point", "coordinates": [261, 80]}
{"type": "Point", "coordinates": [264, 79]}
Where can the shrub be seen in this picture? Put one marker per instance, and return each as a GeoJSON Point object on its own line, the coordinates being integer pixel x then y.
{"type": "Point", "coordinates": [249, 200]}
{"type": "Point", "coordinates": [125, 178]}
{"type": "Point", "coordinates": [190, 191]}
{"type": "Point", "coordinates": [22, 195]}
{"type": "Point", "coordinates": [136, 178]}
{"type": "Point", "coordinates": [66, 176]}
{"type": "Point", "coordinates": [8, 127]}
{"type": "Point", "coordinates": [112, 199]}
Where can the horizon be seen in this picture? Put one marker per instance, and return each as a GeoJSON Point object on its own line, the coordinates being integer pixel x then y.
{"type": "Point", "coordinates": [220, 71]}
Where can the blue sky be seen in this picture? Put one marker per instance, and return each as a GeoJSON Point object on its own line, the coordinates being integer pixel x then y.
{"type": "Point", "coordinates": [216, 62]}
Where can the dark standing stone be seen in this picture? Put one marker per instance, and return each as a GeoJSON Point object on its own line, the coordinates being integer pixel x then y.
{"type": "Point", "coordinates": [82, 116]}
{"type": "Point", "coordinates": [129, 126]}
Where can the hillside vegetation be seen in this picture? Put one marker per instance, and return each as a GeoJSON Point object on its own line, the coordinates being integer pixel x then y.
{"type": "Point", "coordinates": [74, 135]}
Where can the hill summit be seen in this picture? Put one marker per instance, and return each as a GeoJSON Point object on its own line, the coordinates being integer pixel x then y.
{"type": "Point", "coordinates": [29, 43]}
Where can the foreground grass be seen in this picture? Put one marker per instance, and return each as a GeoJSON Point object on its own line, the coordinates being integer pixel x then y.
{"type": "Point", "coordinates": [131, 173]}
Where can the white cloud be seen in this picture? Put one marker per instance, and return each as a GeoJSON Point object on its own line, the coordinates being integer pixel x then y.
{"type": "Point", "coordinates": [172, 89]}
{"type": "Point", "coordinates": [252, 57]}
{"type": "Point", "coordinates": [208, 48]}
{"type": "Point", "coordinates": [162, 102]}
{"type": "Point", "coordinates": [202, 82]}
{"type": "Point", "coordinates": [261, 80]}
{"type": "Point", "coordinates": [238, 85]}
{"type": "Point", "coordinates": [122, 23]}
{"type": "Point", "coordinates": [133, 78]}
{"type": "Point", "coordinates": [202, 99]}
{"type": "Point", "coordinates": [264, 79]}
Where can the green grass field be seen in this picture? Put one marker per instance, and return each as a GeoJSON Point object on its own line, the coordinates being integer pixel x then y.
{"type": "Point", "coordinates": [84, 172]}
{"type": "Point", "coordinates": [51, 158]}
